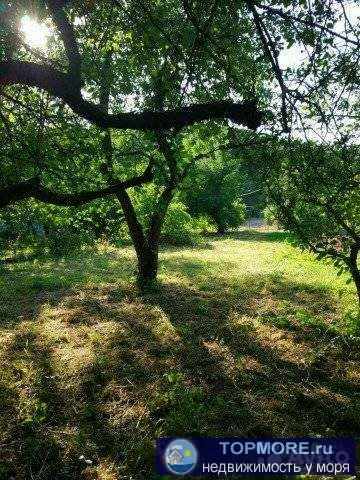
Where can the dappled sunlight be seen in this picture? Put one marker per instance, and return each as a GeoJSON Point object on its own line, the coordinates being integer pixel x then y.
{"type": "Point", "coordinates": [179, 233]}
{"type": "Point", "coordinates": [224, 357]}
{"type": "Point", "coordinates": [96, 369]}
{"type": "Point", "coordinates": [273, 338]}
{"type": "Point", "coordinates": [36, 34]}
{"type": "Point", "coordinates": [163, 329]}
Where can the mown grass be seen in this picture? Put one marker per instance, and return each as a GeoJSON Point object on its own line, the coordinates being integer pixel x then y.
{"type": "Point", "coordinates": [245, 336]}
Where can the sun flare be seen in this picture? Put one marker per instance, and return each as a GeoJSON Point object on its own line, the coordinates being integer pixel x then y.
{"type": "Point", "coordinates": [35, 34]}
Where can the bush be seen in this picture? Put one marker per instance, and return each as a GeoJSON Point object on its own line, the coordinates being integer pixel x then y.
{"type": "Point", "coordinates": [179, 227]}
{"type": "Point", "coordinates": [270, 215]}
{"type": "Point", "coordinates": [64, 241]}
{"type": "Point", "coordinates": [31, 228]}
{"type": "Point", "coordinates": [214, 188]}
{"type": "Point", "coordinates": [203, 224]}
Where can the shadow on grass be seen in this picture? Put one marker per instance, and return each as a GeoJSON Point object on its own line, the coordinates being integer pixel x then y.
{"type": "Point", "coordinates": [253, 235]}
{"type": "Point", "coordinates": [32, 402]}
{"type": "Point", "coordinates": [180, 362]}
{"type": "Point", "coordinates": [44, 282]}
{"type": "Point", "coordinates": [252, 356]}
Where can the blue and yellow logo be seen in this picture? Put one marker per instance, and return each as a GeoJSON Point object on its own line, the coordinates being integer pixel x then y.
{"type": "Point", "coordinates": [180, 456]}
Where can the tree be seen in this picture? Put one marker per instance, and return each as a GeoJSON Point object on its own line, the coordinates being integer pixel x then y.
{"type": "Point", "coordinates": [176, 160]}
{"type": "Point", "coordinates": [174, 167]}
{"type": "Point", "coordinates": [214, 188]}
{"type": "Point", "coordinates": [172, 63]}
{"type": "Point", "coordinates": [67, 86]}
{"type": "Point", "coordinates": [316, 193]}
{"type": "Point", "coordinates": [166, 108]}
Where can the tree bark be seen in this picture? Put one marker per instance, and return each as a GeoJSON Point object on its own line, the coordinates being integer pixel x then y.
{"type": "Point", "coordinates": [64, 87]}
{"type": "Point", "coordinates": [354, 269]}
{"type": "Point", "coordinates": [143, 253]}
{"type": "Point", "coordinates": [148, 260]}
{"type": "Point", "coordinates": [146, 245]}
{"type": "Point", "coordinates": [220, 229]}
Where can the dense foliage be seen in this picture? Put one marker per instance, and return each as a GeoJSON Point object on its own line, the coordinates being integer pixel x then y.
{"type": "Point", "coordinates": [126, 103]}
{"type": "Point", "coordinates": [150, 122]}
{"type": "Point", "coordinates": [315, 191]}
{"type": "Point", "coordinates": [214, 188]}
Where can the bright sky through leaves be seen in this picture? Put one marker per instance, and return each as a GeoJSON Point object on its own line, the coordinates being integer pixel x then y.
{"type": "Point", "coordinates": [292, 57]}
{"type": "Point", "coordinates": [35, 34]}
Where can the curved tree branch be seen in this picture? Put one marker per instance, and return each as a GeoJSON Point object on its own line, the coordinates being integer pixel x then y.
{"type": "Point", "coordinates": [33, 188]}
{"type": "Point", "coordinates": [62, 86]}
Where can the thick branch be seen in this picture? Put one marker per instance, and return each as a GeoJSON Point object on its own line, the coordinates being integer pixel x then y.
{"type": "Point", "coordinates": [169, 156]}
{"type": "Point", "coordinates": [158, 216]}
{"type": "Point", "coordinates": [61, 86]}
{"type": "Point", "coordinates": [68, 37]}
{"type": "Point", "coordinates": [33, 188]}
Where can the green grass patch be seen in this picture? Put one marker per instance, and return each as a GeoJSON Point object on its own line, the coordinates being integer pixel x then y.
{"type": "Point", "coordinates": [245, 336]}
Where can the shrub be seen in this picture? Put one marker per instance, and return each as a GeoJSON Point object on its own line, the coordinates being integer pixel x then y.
{"type": "Point", "coordinates": [270, 215]}
{"type": "Point", "coordinates": [179, 227]}
{"type": "Point", "coordinates": [203, 224]}
{"type": "Point", "coordinates": [64, 241]}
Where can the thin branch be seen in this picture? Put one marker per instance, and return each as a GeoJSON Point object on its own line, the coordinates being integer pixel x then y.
{"type": "Point", "coordinates": [309, 23]}
{"type": "Point", "coordinates": [271, 53]}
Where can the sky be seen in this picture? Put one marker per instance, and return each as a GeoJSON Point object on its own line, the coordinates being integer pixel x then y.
{"type": "Point", "coordinates": [292, 57]}
{"type": "Point", "coordinates": [36, 34]}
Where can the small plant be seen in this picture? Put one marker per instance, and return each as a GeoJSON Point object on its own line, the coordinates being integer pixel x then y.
{"type": "Point", "coordinates": [39, 415]}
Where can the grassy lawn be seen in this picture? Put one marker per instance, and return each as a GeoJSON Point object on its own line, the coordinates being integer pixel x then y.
{"type": "Point", "coordinates": [246, 336]}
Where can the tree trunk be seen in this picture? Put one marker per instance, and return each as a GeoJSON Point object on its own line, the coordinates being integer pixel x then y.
{"type": "Point", "coordinates": [147, 257]}
{"type": "Point", "coordinates": [354, 269]}
{"type": "Point", "coordinates": [147, 266]}
{"type": "Point", "coordinates": [146, 246]}
{"type": "Point", "coordinates": [221, 229]}
{"type": "Point", "coordinates": [356, 278]}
